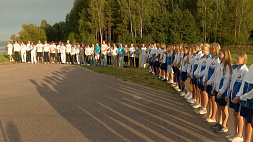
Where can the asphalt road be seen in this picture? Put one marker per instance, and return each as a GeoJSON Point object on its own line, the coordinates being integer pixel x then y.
{"type": "Point", "coordinates": [58, 103]}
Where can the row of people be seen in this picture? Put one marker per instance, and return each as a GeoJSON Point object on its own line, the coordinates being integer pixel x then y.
{"type": "Point", "coordinates": [205, 77]}
{"type": "Point", "coordinates": [81, 54]}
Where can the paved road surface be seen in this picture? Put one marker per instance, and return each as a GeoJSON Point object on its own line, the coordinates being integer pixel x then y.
{"type": "Point", "coordinates": [58, 103]}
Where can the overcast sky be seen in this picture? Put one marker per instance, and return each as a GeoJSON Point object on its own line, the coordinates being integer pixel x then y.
{"type": "Point", "coordinates": [14, 13]}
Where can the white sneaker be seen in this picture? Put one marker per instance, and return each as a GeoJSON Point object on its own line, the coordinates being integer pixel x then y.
{"type": "Point", "coordinates": [196, 106]}
{"type": "Point", "coordinates": [195, 103]}
{"type": "Point", "coordinates": [202, 111]}
{"type": "Point", "coordinates": [182, 94]}
{"type": "Point", "coordinates": [236, 138]}
{"type": "Point", "coordinates": [231, 136]}
{"type": "Point", "coordinates": [210, 121]}
{"type": "Point", "coordinates": [192, 101]}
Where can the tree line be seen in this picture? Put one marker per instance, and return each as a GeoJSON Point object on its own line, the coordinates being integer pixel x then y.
{"type": "Point", "coordinates": [140, 21]}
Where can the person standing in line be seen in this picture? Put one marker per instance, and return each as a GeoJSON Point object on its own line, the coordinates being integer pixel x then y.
{"type": "Point", "coordinates": [103, 54]}
{"type": "Point", "coordinates": [97, 50]}
{"type": "Point", "coordinates": [114, 52]}
{"type": "Point", "coordinates": [131, 54]}
{"type": "Point", "coordinates": [82, 55]}
{"type": "Point", "coordinates": [68, 50]}
{"type": "Point", "coordinates": [126, 56]}
{"type": "Point", "coordinates": [120, 54]}
{"type": "Point", "coordinates": [46, 52]}
{"type": "Point", "coordinates": [16, 51]}
{"type": "Point", "coordinates": [78, 53]}
{"type": "Point", "coordinates": [40, 52]}
{"type": "Point", "coordinates": [88, 54]}
{"type": "Point", "coordinates": [33, 53]}
{"type": "Point", "coordinates": [73, 54]}
{"type": "Point", "coordinates": [10, 48]}
{"type": "Point", "coordinates": [92, 55]}
{"type": "Point", "coordinates": [63, 54]}
{"type": "Point", "coordinates": [59, 52]}
{"type": "Point", "coordinates": [143, 55]}
{"type": "Point", "coordinates": [109, 54]}
{"type": "Point", "coordinates": [52, 52]}
{"type": "Point", "coordinates": [23, 52]}
{"type": "Point", "coordinates": [137, 56]}
{"type": "Point", "coordinates": [28, 53]}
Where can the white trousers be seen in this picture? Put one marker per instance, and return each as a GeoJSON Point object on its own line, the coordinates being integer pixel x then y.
{"type": "Point", "coordinates": [23, 56]}
{"type": "Point", "coordinates": [63, 58]}
{"type": "Point", "coordinates": [143, 60]}
{"type": "Point", "coordinates": [33, 57]}
{"type": "Point", "coordinates": [78, 58]}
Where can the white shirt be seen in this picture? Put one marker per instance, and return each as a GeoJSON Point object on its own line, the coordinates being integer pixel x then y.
{"type": "Point", "coordinates": [46, 48]}
{"type": "Point", "coordinates": [115, 51]}
{"type": "Point", "coordinates": [52, 48]}
{"type": "Point", "coordinates": [28, 47]}
{"type": "Point", "coordinates": [33, 49]}
{"type": "Point", "coordinates": [9, 47]}
{"type": "Point", "coordinates": [23, 48]}
{"type": "Point", "coordinates": [40, 47]}
{"type": "Point", "coordinates": [63, 49]}
{"type": "Point", "coordinates": [201, 70]}
{"type": "Point", "coordinates": [184, 66]}
{"type": "Point", "coordinates": [87, 51]}
{"type": "Point", "coordinates": [210, 68]}
{"type": "Point", "coordinates": [249, 79]}
{"type": "Point", "coordinates": [103, 48]}
{"type": "Point", "coordinates": [237, 78]}
{"type": "Point", "coordinates": [16, 47]}
{"type": "Point", "coordinates": [143, 51]}
{"type": "Point", "coordinates": [68, 48]}
{"type": "Point", "coordinates": [73, 51]}
{"type": "Point", "coordinates": [158, 52]}
{"type": "Point", "coordinates": [77, 51]}
{"type": "Point", "coordinates": [164, 56]}
{"type": "Point", "coordinates": [92, 50]}
{"type": "Point", "coordinates": [131, 51]}
{"type": "Point", "coordinates": [58, 48]}
{"type": "Point", "coordinates": [153, 50]}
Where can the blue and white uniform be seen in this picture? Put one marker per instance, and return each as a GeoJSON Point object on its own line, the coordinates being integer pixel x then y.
{"type": "Point", "coordinates": [222, 83]}
{"type": "Point", "coordinates": [184, 67]}
{"type": "Point", "coordinates": [169, 62]}
{"type": "Point", "coordinates": [211, 65]}
{"type": "Point", "coordinates": [236, 82]}
{"type": "Point", "coordinates": [201, 70]}
{"type": "Point", "coordinates": [246, 95]}
{"type": "Point", "coordinates": [196, 62]}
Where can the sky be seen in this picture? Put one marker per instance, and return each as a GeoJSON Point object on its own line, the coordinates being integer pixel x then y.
{"type": "Point", "coordinates": [15, 13]}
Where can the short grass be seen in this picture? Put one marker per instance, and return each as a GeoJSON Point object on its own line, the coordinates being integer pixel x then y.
{"type": "Point", "coordinates": [4, 58]}
{"type": "Point", "coordinates": [134, 75]}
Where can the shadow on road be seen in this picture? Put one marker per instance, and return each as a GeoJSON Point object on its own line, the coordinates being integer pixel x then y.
{"type": "Point", "coordinates": [10, 132]}
{"type": "Point", "coordinates": [106, 109]}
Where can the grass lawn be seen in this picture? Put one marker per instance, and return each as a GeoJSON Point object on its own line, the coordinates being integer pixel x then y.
{"type": "Point", "coordinates": [134, 75]}
{"type": "Point", "coordinates": [4, 58]}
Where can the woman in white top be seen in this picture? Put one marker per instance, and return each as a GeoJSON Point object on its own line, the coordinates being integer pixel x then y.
{"type": "Point", "coordinates": [114, 55]}
{"type": "Point", "coordinates": [63, 53]}
{"type": "Point", "coordinates": [131, 54]}
{"type": "Point", "coordinates": [10, 48]}
{"type": "Point", "coordinates": [23, 52]}
{"type": "Point", "coordinates": [103, 54]}
{"type": "Point", "coordinates": [33, 53]}
{"type": "Point", "coordinates": [143, 55]}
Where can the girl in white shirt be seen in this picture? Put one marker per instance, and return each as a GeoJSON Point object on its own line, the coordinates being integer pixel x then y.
{"type": "Point", "coordinates": [63, 54]}
{"type": "Point", "coordinates": [23, 52]}
{"type": "Point", "coordinates": [199, 74]}
{"type": "Point", "coordinates": [183, 69]}
{"type": "Point", "coordinates": [10, 48]}
{"type": "Point", "coordinates": [131, 54]}
{"type": "Point", "coordinates": [33, 53]}
{"type": "Point", "coordinates": [143, 55]}
{"type": "Point", "coordinates": [223, 76]}
{"type": "Point", "coordinates": [239, 71]}
{"type": "Point", "coordinates": [208, 82]}
{"type": "Point", "coordinates": [88, 54]}
{"type": "Point", "coordinates": [114, 55]}
{"type": "Point", "coordinates": [245, 97]}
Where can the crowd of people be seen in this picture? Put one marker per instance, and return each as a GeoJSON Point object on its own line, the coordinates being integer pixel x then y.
{"type": "Point", "coordinates": [202, 73]}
